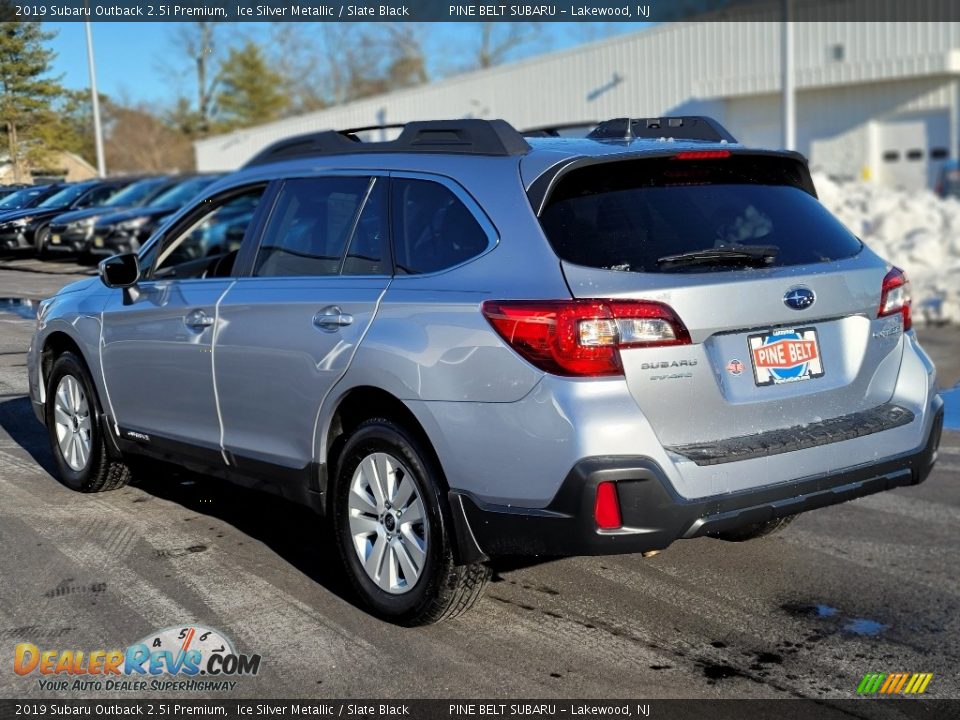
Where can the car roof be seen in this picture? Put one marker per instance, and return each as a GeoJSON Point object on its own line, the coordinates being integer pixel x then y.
{"type": "Point", "coordinates": [462, 148]}
{"type": "Point", "coordinates": [543, 154]}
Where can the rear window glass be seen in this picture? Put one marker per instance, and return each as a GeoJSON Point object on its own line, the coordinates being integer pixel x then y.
{"type": "Point", "coordinates": [23, 198]}
{"type": "Point", "coordinates": [631, 215]}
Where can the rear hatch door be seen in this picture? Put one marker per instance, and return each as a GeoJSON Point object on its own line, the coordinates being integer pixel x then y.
{"type": "Point", "coordinates": [780, 300]}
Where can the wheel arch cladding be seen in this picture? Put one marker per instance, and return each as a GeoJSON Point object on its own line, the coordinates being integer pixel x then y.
{"type": "Point", "coordinates": [54, 345]}
{"type": "Point", "coordinates": [365, 402]}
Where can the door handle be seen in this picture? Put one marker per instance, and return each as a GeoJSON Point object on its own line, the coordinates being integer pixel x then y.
{"type": "Point", "coordinates": [331, 319]}
{"type": "Point", "coordinates": [197, 320]}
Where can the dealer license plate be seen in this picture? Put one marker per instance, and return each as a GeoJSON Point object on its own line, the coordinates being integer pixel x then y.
{"type": "Point", "coordinates": [785, 356]}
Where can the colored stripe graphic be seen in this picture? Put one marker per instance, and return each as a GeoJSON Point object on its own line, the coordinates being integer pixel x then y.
{"type": "Point", "coordinates": [870, 683]}
{"type": "Point", "coordinates": [927, 677]}
{"type": "Point", "coordinates": [890, 683]}
{"type": "Point", "coordinates": [915, 681]}
{"type": "Point", "coordinates": [894, 683]}
{"type": "Point", "coordinates": [901, 682]}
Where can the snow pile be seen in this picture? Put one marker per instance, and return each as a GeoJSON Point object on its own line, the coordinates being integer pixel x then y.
{"type": "Point", "coordinates": [915, 230]}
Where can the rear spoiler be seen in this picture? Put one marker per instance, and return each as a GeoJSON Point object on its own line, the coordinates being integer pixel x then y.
{"type": "Point", "coordinates": [541, 188]}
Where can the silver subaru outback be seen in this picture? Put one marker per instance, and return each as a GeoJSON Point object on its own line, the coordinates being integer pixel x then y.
{"type": "Point", "coordinates": [465, 343]}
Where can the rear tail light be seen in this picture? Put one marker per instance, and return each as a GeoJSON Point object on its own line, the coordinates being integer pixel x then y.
{"type": "Point", "coordinates": [583, 337]}
{"type": "Point", "coordinates": [895, 297]}
{"type": "Point", "coordinates": [606, 510]}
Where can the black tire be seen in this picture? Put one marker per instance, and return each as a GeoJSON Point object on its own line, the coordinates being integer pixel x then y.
{"type": "Point", "coordinates": [101, 472]}
{"type": "Point", "coordinates": [757, 530]}
{"type": "Point", "coordinates": [40, 241]}
{"type": "Point", "coordinates": [443, 589]}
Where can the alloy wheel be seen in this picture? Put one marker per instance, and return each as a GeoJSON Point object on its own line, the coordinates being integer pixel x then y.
{"type": "Point", "coordinates": [73, 424]}
{"type": "Point", "coordinates": [388, 525]}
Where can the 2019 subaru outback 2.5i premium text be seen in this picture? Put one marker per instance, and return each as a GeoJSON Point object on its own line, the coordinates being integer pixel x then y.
{"type": "Point", "coordinates": [465, 343]}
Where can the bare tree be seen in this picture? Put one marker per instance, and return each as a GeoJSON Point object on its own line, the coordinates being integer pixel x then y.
{"type": "Point", "coordinates": [364, 60]}
{"type": "Point", "coordinates": [297, 58]}
{"type": "Point", "coordinates": [138, 141]}
{"type": "Point", "coordinates": [197, 42]}
{"type": "Point", "coordinates": [405, 48]}
{"type": "Point", "coordinates": [353, 56]}
{"type": "Point", "coordinates": [498, 40]}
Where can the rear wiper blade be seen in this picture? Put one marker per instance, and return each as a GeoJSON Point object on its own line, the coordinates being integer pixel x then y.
{"type": "Point", "coordinates": [740, 255]}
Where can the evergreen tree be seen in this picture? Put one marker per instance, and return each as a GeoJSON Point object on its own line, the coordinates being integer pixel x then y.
{"type": "Point", "coordinates": [26, 93]}
{"type": "Point", "coordinates": [72, 127]}
{"type": "Point", "coordinates": [251, 91]}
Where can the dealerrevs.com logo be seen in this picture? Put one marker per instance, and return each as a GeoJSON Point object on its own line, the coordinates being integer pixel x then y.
{"type": "Point", "coordinates": [190, 658]}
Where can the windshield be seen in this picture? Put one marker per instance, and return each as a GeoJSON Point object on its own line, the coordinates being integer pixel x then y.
{"type": "Point", "coordinates": [65, 196]}
{"type": "Point", "coordinates": [182, 193]}
{"type": "Point", "coordinates": [630, 216]}
{"type": "Point", "coordinates": [137, 193]}
{"type": "Point", "coordinates": [22, 198]}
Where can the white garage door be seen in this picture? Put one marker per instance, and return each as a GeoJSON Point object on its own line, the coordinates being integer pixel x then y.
{"type": "Point", "coordinates": [911, 149]}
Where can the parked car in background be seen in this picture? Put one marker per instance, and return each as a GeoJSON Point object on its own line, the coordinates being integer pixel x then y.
{"type": "Point", "coordinates": [9, 189]}
{"type": "Point", "coordinates": [126, 231]}
{"type": "Point", "coordinates": [464, 343]}
{"type": "Point", "coordinates": [28, 229]}
{"type": "Point", "coordinates": [948, 180]}
{"type": "Point", "coordinates": [27, 197]}
{"type": "Point", "coordinates": [70, 232]}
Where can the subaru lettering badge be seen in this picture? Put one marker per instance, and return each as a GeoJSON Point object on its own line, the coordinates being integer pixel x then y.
{"type": "Point", "coordinates": [799, 298]}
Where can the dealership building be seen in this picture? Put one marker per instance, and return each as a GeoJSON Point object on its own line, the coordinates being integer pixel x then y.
{"type": "Point", "coordinates": [873, 100]}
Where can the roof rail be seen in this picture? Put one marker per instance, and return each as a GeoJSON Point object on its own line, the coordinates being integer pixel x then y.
{"type": "Point", "coordinates": [457, 137]}
{"type": "Point", "coordinates": [687, 127]}
{"type": "Point", "coordinates": [557, 130]}
{"type": "Point", "coordinates": [352, 133]}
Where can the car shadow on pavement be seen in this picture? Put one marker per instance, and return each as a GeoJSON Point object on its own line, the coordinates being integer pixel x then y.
{"type": "Point", "coordinates": [19, 422]}
{"type": "Point", "coordinates": [290, 530]}
{"type": "Point", "coordinates": [294, 532]}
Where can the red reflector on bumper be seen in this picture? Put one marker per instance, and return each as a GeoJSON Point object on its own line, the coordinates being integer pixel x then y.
{"type": "Point", "coordinates": [606, 511]}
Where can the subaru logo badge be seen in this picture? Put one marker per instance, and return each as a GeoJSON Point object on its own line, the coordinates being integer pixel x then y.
{"type": "Point", "coordinates": [799, 298]}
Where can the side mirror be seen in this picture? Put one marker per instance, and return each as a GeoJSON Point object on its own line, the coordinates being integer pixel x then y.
{"type": "Point", "coordinates": [120, 271]}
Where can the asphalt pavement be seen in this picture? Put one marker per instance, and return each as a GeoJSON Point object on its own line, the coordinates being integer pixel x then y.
{"type": "Point", "coordinates": [868, 586]}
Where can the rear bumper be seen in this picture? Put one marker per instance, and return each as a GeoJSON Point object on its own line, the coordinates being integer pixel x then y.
{"type": "Point", "coordinates": [654, 515]}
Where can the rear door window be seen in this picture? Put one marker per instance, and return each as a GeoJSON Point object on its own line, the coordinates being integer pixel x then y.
{"type": "Point", "coordinates": [309, 227]}
{"type": "Point", "coordinates": [630, 215]}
